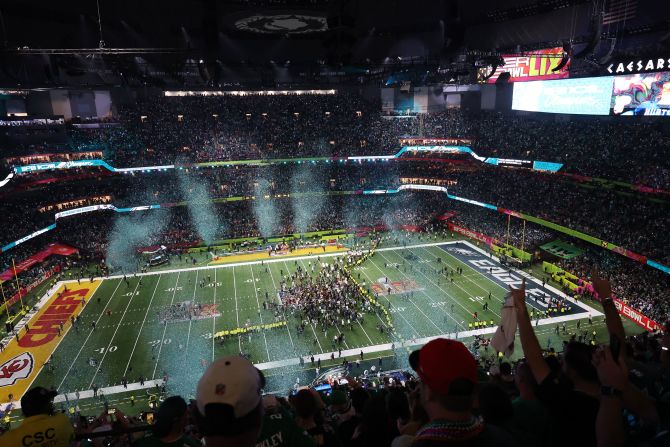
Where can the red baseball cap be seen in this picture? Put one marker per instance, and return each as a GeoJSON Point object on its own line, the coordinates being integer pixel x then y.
{"type": "Point", "coordinates": [441, 361]}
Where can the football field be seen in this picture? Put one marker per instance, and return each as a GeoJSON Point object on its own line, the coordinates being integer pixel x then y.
{"type": "Point", "coordinates": [142, 333]}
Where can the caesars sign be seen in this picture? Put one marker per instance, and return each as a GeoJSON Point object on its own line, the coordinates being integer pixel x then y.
{"type": "Point", "coordinates": [536, 66]}
{"type": "Point", "coordinates": [22, 359]}
{"type": "Point", "coordinates": [644, 65]}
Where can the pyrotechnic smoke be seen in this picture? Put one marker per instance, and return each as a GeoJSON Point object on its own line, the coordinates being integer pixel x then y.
{"type": "Point", "coordinates": [264, 208]}
{"type": "Point", "coordinates": [308, 178]}
{"type": "Point", "coordinates": [200, 208]}
{"type": "Point", "coordinates": [130, 232]}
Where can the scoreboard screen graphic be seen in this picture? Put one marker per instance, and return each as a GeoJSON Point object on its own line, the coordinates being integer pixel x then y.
{"type": "Point", "coordinates": [645, 94]}
{"type": "Point", "coordinates": [583, 96]}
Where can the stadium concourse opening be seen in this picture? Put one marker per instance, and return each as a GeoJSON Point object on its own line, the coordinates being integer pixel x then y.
{"type": "Point", "coordinates": [326, 223]}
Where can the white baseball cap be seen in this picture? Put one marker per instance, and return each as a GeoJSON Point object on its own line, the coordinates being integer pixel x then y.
{"type": "Point", "coordinates": [230, 389]}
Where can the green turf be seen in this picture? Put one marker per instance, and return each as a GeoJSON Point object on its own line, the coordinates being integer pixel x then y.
{"type": "Point", "coordinates": [131, 342]}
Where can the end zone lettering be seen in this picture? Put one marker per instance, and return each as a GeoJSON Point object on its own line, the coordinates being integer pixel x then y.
{"type": "Point", "coordinates": [59, 311]}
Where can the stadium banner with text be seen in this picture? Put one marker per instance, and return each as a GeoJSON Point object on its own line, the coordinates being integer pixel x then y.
{"type": "Point", "coordinates": [583, 96]}
{"type": "Point", "coordinates": [435, 141]}
{"type": "Point", "coordinates": [437, 146]}
{"type": "Point", "coordinates": [624, 309]}
{"type": "Point", "coordinates": [22, 359]}
{"type": "Point", "coordinates": [578, 285]}
{"type": "Point", "coordinates": [25, 290]}
{"type": "Point", "coordinates": [636, 317]}
{"type": "Point", "coordinates": [633, 66]}
{"type": "Point", "coordinates": [37, 258]}
{"type": "Point", "coordinates": [472, 234]}
{"type": "Point", "coordinates": [641, 95]}
{"type": "Point", "coordinates": [28, 237]}
{"type": "Point", "coordinates": [534, 66]}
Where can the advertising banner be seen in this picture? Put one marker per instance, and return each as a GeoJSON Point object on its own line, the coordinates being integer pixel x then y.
{"type": "Point", "coordinates": [633, 315]}
{"type": "Point", "coordinates": [448, 215]}
{"type": "Point", "coordinates": [435, 141]}
{"type": "Point", "coordinates": [532, 67]}
{"type": "Point", "coordinates": [510, 162]}
{"type": "Point", "coordinates": [636, 317]}
{"type": "Point", "coordinates": [471, 234]}
{"type": "Point", "coordinates": [633, 66]}
{"type": "Point", "coordinates": [641, 95]}
{"type": "Point", "coordinates": [22, 359]}
{"type": "Point", "coordinates": [37, 258]}
{"type": "Point", "coordinates": [25, 238]}
{"type": "Point", "coordinates": [25, 290]}
{"type": "Point", "coordinates": [57, 165]}
{"type": "Point", "coordinates": [584, 96]}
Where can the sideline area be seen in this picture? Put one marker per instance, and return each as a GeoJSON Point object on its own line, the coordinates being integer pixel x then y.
{"type": "Point", "coordinates": [265, 255]}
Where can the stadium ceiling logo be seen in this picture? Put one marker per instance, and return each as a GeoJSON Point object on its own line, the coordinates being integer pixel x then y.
{"type": "Point", "coordinates": [282, 24]}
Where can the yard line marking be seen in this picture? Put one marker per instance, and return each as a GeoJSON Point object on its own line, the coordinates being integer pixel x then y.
{"type": "Point", "coordinates": [467, 277]}
{"type": "Point", "coordinates": [258, 303]}
{"type": "Point", "coordinates": [237, 312]}
{"type": "Point", "coordinates": [392, 306]}
{"type": "Point", "coordinates": [160, 348]}
{"type": "Point", "coordinates": [113, 335]}
{"type": "Point", "coordinates": [190, 320]}
{"type": "Point", "coordinates": [267, 261]}
{"type": "Point", "coordinates": [214, 318]}
{"type": "Point", "coordinates": [469, 295]}
{"type": "Point", "coordinates": [354, 352]}
{"type": "Point", "coordinates": [283, 308]}
{"type": "Point", "coordinates": [431, 299]}
{"type": "Point", "coordinates": [532, 278]}
{"type": "Point", "coordinates": [141, 326]}
{"type": "Point", "coordinates": [87, 337]}
{"type": "Point", "coordinates": [409, 299]}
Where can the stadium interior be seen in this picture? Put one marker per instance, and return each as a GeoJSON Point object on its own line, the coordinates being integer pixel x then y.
{"type": "Point", "coordinates": [334, 223]}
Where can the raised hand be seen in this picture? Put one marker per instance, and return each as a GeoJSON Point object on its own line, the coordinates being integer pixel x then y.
{"type": "Point", "coordinates": [601, 285]}
{"type": "Point", "coordinates": [519, 295]}
{"type": "Point", "coordinates": [611, 372]}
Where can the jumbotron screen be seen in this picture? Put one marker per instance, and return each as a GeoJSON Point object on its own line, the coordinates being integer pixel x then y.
{"type": "Point", "coordinates": [645, 94]}
{"type": "Point", "coordinates": [585, 96]}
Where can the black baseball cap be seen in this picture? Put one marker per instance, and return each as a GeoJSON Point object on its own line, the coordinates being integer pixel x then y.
{"type": "Point", "coordinates": [36, 399]}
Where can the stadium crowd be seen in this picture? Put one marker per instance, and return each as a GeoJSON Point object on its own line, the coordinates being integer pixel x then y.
{"type": "Point", "coordinates": [162, 130]}
{"type": "Point", "coordinates": [608, 395]}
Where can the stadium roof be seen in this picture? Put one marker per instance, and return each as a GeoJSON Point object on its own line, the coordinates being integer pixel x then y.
{"type": "Point", "coordinates": [333, 33]}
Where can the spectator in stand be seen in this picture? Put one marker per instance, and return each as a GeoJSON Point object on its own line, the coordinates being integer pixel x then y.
{"type": "Point", "coordinates": [359, 398]}
{"type": "Point", "coordinates": [279, 427]}
{"type": "Point", "coordinates": [448, 374]}
{"type": "Point", "coordinates": [168, 430]}
{"type": "Point", "coordinates": [229, 408]}
{"type": "Point", "coordinates": [41, 426]}
{"type": "Point", "coordinates": [308, 408]}
{"type": "Point", "coordinates": [530, 415]}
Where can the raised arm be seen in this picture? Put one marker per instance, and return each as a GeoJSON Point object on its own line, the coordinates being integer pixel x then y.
{"type": "Point", "coordinates": [612, 319]}
{"type": "Point", "coordinates": [529, 343]}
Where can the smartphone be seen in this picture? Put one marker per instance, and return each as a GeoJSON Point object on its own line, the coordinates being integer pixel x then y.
{"type": "Point", "coordinates": [615, 347]}
{"type": "Point", "coordinates": [323, 388]}
{"type": "Point", "coordinates": [111, 411]}
{"type": "Point", "coordinates": [150, 417]}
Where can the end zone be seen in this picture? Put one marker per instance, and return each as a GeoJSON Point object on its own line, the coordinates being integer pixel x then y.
{"type": "Point", "coordinates": [35, 341]}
